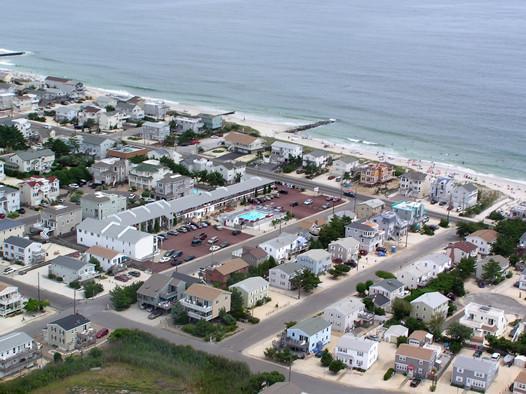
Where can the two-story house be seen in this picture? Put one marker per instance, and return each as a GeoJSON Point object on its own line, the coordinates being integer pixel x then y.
{"type": "Point", "coordinates": [281, 276]}
{"type": "Point", "coordinates": [110, 171]}
{"type": "Point", "coordinates": [95, 145]}
{"type": "Point", "coordinates": [219, 274]}
{"type": "Point", "coordinates": [369, 208]}
{"type": "Point", "coordinates": [36, 190]}
{"type": "Point", "coordinates": [69, 333]}
{"type": "Point", "coordinates": [344, 313]}
{"type": "Point", "coordinates": [9, 199]}
{"type": "Point", "coordinates": [367, 233]}
{"type": "Point", "coordinates": [344, 165]}
{"type": "Point", "coordinates": [61, 219]}
{"type": "Point", "coordinates": [411, 211]}
{"type": "Point", "coordinates": [284, 246]}
{"type": "Point", "coordinates": [416, 362]}
{"type": "Point", "coordinates": [18, 351]}
{"type": "Point", "coordinates": [384, 292]}
{"type": "Point", "coordinates": [253, 290]}
{"type": "Point", "coordinates": [33, 160]}
{"type": "Point", "coordinates": [244, 143]}
{"type": "Point", "coordinates": [100, 205]}
{"type": "Point", "coordinates": [203, 302]}
{"type": "Point", "coordinates": [317, 158]}
{"type": "Point", "coordinates": [187, 123]}
{"type": "Point", "coordinates": [23, 250]}
{"type": "Point", "coordinates": [483, 239]}
{"type": "Point", "coordinates": [355, 352]}
{"type": "Point", "coordinates": [464, 196]}
{"type": "Point", "coordinates": [318, 261]}
{"type": "Point", "coordinates": [484, 319]}
{"type": "Point", "coordinates": [309, 335]}
{"type": "Point", "coordinates": [503, 262]}
{"type": "Point", "coordinates": [282, 151]}
{"type": "Point", "coordinates": [472, 373]}
{"type": "Point", "coordinates": [146, 174]}
{"type": "Point", "coordinates": [462, 250]}
{"type": "Point", "coordinates": [344, 250]}
{"type": "Point", "coordinates": [393, 226]}
{"type": "Point", "coordinates": [173, 186]}
{"type": "Point", "coordinates": [156, 109]}
{"type": "Point", "coordinates": [429, 305]}
{"type": "Point", "coordinates": [11, 301]}
{"type": "Point", "coordinates": [231, 171]}
{"type": "Point", "coordinates": [156, 131]}
{"type": "Point", "coordinates": [442, 189]}
{"type": "Point", "coordinates": [420, 272]}
{"type": "Point", "coordinates": [70, 269]}
{"type": "Point", "coordinates": [159, 291]}
{"type": "Point", "coordinates": [414, 184]}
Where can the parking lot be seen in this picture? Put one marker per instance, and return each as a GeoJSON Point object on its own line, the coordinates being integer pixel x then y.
{"type": "Point", "coordinates": [183, 241]}
{"type": "Point", "coordinates": [301, 210]}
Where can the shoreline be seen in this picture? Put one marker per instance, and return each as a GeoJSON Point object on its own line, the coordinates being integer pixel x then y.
{"type": "Point", "coordinates": [280, 129]}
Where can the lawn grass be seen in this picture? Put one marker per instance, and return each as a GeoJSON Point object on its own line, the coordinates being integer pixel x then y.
{"type": "Point", "coordinates": [115, 377]}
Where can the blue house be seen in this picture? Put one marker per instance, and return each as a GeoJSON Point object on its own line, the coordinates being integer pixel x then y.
{"type": "Point", "coordinates": [309, 335]}
{"type": "Point", "coordinates": [411, 211]}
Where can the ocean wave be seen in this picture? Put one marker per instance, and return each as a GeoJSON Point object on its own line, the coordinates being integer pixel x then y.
{"type": "Point", "coordinates": [365, 142]}
{"type": "Point", "coordinates": [358, 141]}
{"type": "Point", "coordinates": [6, 63]}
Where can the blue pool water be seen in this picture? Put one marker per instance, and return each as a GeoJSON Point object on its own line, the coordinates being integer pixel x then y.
{"type": "Point", "coordinates": [252, 215]}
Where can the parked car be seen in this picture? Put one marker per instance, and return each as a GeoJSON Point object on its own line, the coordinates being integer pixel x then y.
{"type": "Point", "coordinates": [196, 242]}
{"type": "Point", "coordinates": [182, 229]}
{"type": "Point", "coordinates": [213, 240]}
{"type": "Point", "coordinates": [193, 227]}
{"type": "Point", "coordinates": [495, 356]}
{"type": "Point", "coordinates": [433, 202]}
{"type": "Point", "coordinates": [102, 333]}
{"type": "Point", "coordinates": [202, 236]}
{"type": "Point", "coordinates": [122, 278]}
{"type": "Point", "coordinates": [165, 259]}
{"type": "Point", "coordinates": [478, 353]}
{"type": "Point", "coordinates": [381, 249]}
{"type": "Point", "coordinates": [308, 201]}
{"type": "Point", "coordinates": [282, 191]}
{"type": "Point", "coordinates": [331, 177]}
{"type": "Point", "coordinates": [135, 274]}
{"type": "Point", "coordinates": [175, 262]}
{"type": "Point", "coordinates": [189, 258]}
{"type": "Point", "coordinates": [294, 204]}
{"type": "Point", "coordinates": [9, 270]}
{"type": "Point", "coordinates": [325, 206]}
{"type": "Point", "coordinates": [22, 211]}
{"type": "Point", "coordinates": [224, 244]}
{"type": "Point", "coordinates": [236, 232]}
{"type": "Point", "coordinates": [173, 233]}
{"type": "Point", "coordinates": [155, 314]}
{"type": "Point", "coordinates": [415, 382]}
{"type": "Point", "coordinates": [442, 203]}
{"type": "Point", "coordinates": [2, 215]}
{"type": "Point", "coordinates": [214, 248]}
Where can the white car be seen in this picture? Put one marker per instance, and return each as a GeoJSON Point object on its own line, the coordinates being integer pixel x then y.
{"type": "Point", "coordinates": [165, 259]}
{"type": "Point", "coordinates": [307, 202]}
{"type": "Point", "coordinates": [214, 248]}
{"type": "Point", "coordinates": [9, 270]}
{"type": "Point", "coordinates": [495, 356]}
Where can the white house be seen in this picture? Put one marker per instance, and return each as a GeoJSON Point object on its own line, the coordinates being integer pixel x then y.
{"type": "Point", "coordinates": [157, 131]}
{"type": "Point", "coordinates": [108, 259]}
{"type": "Point", "coordinates": [414, 184]}
{"type": "Point", "coordinates": [33, 160]}
{"type": "Point", "coordinates": [35, 190]}
{"type": "Point", "coordinates": [95, 145]}
{"type": "Point", "coordinates": [243, 143]}
{"type": "Point", "coordinates": [24, 250]}
{"type": "Point", "coordinates": [355, 352]}
{"type": "Point", "coordinates": [344, 313]}
{"type": "Point", "coordinates": [367, 233]}
{"type": "Point", "coordinates": [464, 196]}
{"type": "Point", "coordinates": [282, 151]}
{"type": "Point", "coordinates": [429, 305]}
{"type": "Point", "coordinates": [185, 123]}
{"type": "Point", "coordinates": [111, 120]}
{"type": "Point", "coordinates": [156, 109]}
{"type": "Point", "coordinates": [145, 175]}
{"type": "Point", "coordinates": [484, 319]}
{"type": "Point", "coordinates": [70, 269]}
{"type": "Point", "coordinates": [282, 246]}
{"type": "Point", "coordinates": [317, 158]}
{"type": "Point", "coordinates": [461, 250]}
{"type": "Point", "coordinates": [422, 271]}
{"type": "Point", "coordinates": [344, 165]}
{"type": "Point", "coordinates": [281, 275]}
{"type": "Point", "coordinates": [130, 110]}
{"type": "Point", "coordinates": [442, 189]}
{"type": "Point", "coordinates": [318, 261]}
{"type": "Point", "coordinates": [89, 113]}
{"type": "Point", "coordinates": [9, 199]}
{"type": "Point", "coordinates": [70, 87]}
{"type": "Point", "coordinates": [483, 239]}
{"type": "Point", "coordinates": [231, 171]}
{"type": "Point", "coordinates": [394, 332]}
{"type": "Point", "coordinates": [66, 114]}
{"type": "Point", "coordinates": [252, 290]}
{"type": "Point", "coordinates": [384, 292]}
{"type": "Point", "coordinates": [309, 335]}
{"type": "Point", "coordinates": [344, 249]}
{"type": "Point", "coordinates": [112, 235]}
{"type": "Point", "coordinates": [17, 352]}
{"type": "Point", "coordinates": [24, 126]}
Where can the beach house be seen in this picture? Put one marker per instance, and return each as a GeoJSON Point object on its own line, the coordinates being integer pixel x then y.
{"type": "Point", "coordinates": [376, 173]}
{"type": "Point", "coordinates": [110, 171]}
{"type": "Point", "coordinates": [109, 260]}
{"type": "Point", "coordinates": [483, 239]}
{"type": "Point", "coordinates": [503, 262]}
{"type": "Point", "coordinates": [18, 351]}
{"type": "Point", "coordinates": [384, 292]}
{"type": "Point", "coordinates": [484, 320]}
{"type": "Point", "coordinates": [464, 196]}
{"type": "Point", "coordinates": [462, 250]}
{"type": "Point", "coordinates": [9, 199]}
{"type": "Point", "coordinates": [356, 352]}
{"type": "Point", "coordinates": [318, 261]}
{"type": "Point", "coordinates": [253, 290]}
{"type": "Point", "coordinates": [68, 333]}
{"type": "Point", "coordinates": [344, 313]}
{"type": "Point", "coordinates": [35, 190]}
{"type": "Point", "coordinates": [429, 305]}
{"type": "Point", "coordinates": [472, 373]}
{"type": "Point", "coordinates": [23, 250]}
{"type": "Point", "coordinates": [309, 335]}
{"type": "Point", "coordinates": [156, 131]}
{"type": "Point", "coordinates": [414, 184]}
{"type": "Point", "coordinates": [369, 208]}
{"type": "Point", "coordinates": [282, 275]}
{"type": "Point", "coordinates": [219, 274]}
{"type": "Point", "coordinates": [205, 302]}
{"type": "Point", "coordinates": [367, 233]}
{"type": "Point", "coordinates": [145, 175]}
{"type": "Point", "coordinates": [173, 186]}
{"type": "Point", "coordinates": [416, 362]}
{"type": "Point", "coordinates": [344, 249]}
{"type": "Point", "coordinates": [32, 160]}
{"type": "Point", "coordinates": [70, 269]}
{"type": "Point", "coordinates": [11, 301]}
{"type": "Point", "coordinates": [281, 151]}
{"type": "Point", "coordinates": [317, 158]}
{"type": "Point", "coordinates": [411, 211]}
{"type": "Point", "coordinates": [100, 205]}
{"type": "Point", "coordinates": [243, 143]}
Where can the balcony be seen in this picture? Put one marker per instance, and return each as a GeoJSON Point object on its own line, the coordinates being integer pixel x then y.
{"type": "Point", "coordinates": [195, 306]}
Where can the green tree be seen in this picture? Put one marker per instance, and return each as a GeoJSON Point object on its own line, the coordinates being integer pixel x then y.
{"type": "Point", "coordinates": [33, 305]}
{"type": "Point", "coordinates": [509, 232]}
{"type": "Point", "coordinates": [459, 332]}
{"type": "Point", "coordinates": [361, 288]}
{"type": "Point", "coordinates": [266, 379]}
{"type": "Point", "coordinates": [326, 358]}
{"type": "Point", "coordinates": [95, 261]}
{"type": "Point", "coordinates": [491, 272]}
{"type": "Point", "coordinates": [122, 297]}
{"type": "Point", "coordinates": [401, 308]}
{"type": "Point", "coordinates": [237, 308]}
{"type": "Point", "coordinates": [92, 288]}
{"type": "Point", "coordinates": [466, 228]}
{"type": "Point", "coordinates": [58, 146]}
{"type": "Point", "coordinates": [385, 275]}
{"type": "Point", "coordinates": [57, 357]}
{"type": "Point", "coordinates": [436, 325]}
{"type": "Point", "coordinates": [186, 137]}
{"type": "Point", "coordinates": [11, 138]}
{"type": "Point", "coordinates": [179, 314]}
{"type": "Point", "coordinates": [215, 178]}
{"type": "Point", "coordinates": [401, 339]}
{"type": "Point", "coordinates": [466, 267]}
{"type": "Point", "coordinates": [336, 366]}
{"type": "Point", "coordinates": [307, 281]}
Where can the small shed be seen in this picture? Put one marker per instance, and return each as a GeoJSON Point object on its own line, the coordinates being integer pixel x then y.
{"type": "Point", "coordinates": [395, 331]}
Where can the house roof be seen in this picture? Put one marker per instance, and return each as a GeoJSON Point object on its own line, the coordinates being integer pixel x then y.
{"type": "Point", "coordinates": [475, 364]}
{"type": "Point", "coordinates": [32, 154]}
{"type": "Point", "coordinates": [433, 299]}
{"type": "Point", "coordinates": [487, 235]}
{"type": "Point", "coordinates": [230, 266]}
{"type": "Point", "coordinates": [205, 292]}
{"type": "Point", "coordinates": [102, 252]}
{"type": "Point", "coordinates": [389, 284]}
{"type": "Point", "coordinates": [91, 109]}
{"type": "Point", "coordinates": [189, 280]}
{"type": "Point", "coordinates": [250, 284]}
{"type": "Point", "coordinates": [470, 187]}
{"type": "Point", "coordinates": [13, 340]}
{"type": "Point", "coordinates": [239, 138]}
{"type": "Point", "coordinates": [153, 285]}
{"type": "Point", "coordinates": [6, 224]}
{"type": "Point", "coordinates": [317, 153]}
{"type": "Point", "coordinates": [312, 325]}
{"type": "Point", "coordinates": [364, 225]}
{"type": "Point", "coordinates": [414, 176]}
{"type": "Point", "coordinates": [503, 262]}
{"type": "Point", "coordinates": [347, 243]}
{"type": "Point", "coordinates": [521, 377]}
{"type": "Point", "coordinates": [380, 300]}
{"type": "Point", "coordinates": [68, 262]}
{"type": "Point", "coordinates": [283, 144]}
{"type": "Point", "coordinates": [397, 330]}
{"type": "Point", "coordinates": [373, 203]}
{"type": "Point", "coordinates": [288, 268]}
{"type": "Point", "coordinates": [255, 252]}
{"type": "Point", "coordinates": [419, 335]}
{"type": "Point", "coordinates": [348, 305]}
{"type": "Point", "coordinates": [282, 240]}
{"type": "Point", "coordinates": [419, 353]}
{"type": "Point", "coordinates": [350, 341]}
{"type": "Point", "coordinates": [58, 79]}
{"type": "Point", "coordinates": [70, 322]}
{"type": "Point", "coordinates": [465, 246]}
{"type": "Point", "coordinates": [7, 189]}
{"type": "Point", "coordinates": [93, 139]}
{"type": "Point", "coordinates": [316, 254]}
{"type": "Point", "coordinates": [21, 242]}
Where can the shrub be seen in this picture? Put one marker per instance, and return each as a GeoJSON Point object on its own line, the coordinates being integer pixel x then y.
{"type": "Point", "coordinates": [253, 320]}
{"type": "Point", "coordinates": [122, 297]}
{"type": "Point", "coordinates": [389, 373]}
{"type": "Point", "coordinates": [400, 340]}
{"type": "Point", "coordinates": [336, 366]}
{"type": "Point", "coordinates": [326, 358]}
{"type": "Point", "coordinates": [385, 275]}
{"type": "Point", "coordinates": [92, 288]}
{"type": "Point", "coordinates": [444, 223]}
{"type": "Point", "coordinates": [509, 274]}
{"type": "Point", "coordinates": [75, 284]}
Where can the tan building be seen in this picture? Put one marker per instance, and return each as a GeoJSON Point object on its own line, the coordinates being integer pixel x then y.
{"type": "Point", "coordinates": [69, 333]}
{"type": "Point", "coordinates": [519, 384]}
{"type": "Point", "coordinates": [369, 208]}
{"type": "Point", "coordinates": [376, 173]}
{"type": "Point", "coordinates": [204, 302]}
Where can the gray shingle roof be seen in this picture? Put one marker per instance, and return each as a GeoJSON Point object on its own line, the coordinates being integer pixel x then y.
{"type": "Point", "coordinates": [250, 284]}
{"type": "Point", "coordinates": [70, 322]}
{"type": "Point", "coordinates": [18, 241]}
{"type": "Point", "coordinates": [68, 262]}
{"type": "Point", "coordinates": [389, 284]}
{"type": "Point", "coordinates": [475, 364]}
{"type": "Point", "coordinates": [288, 268]}
{"type": "Point", "coordinates": [414, 175]}
{"type": "Point", "coordinates": [312, 325]}
{"type": "Point", "coordinates": [33, 154]}
{"type": "Point", "coordinates": [6, 224]}
{"type": "Point", "coordinates": [153, 285]}
{"type": "Point", "coordinates": [433, 299]}
{"type": "Point", "coordinates": [93, 139]}
{"type": "Point", "coordinates": [349, 341]}
{"type": "Point", "coordinates": [470, 187]}
{"type": "Point", "coordinates": [12, 340]}
{"type": "Point", "coordinates": [7, 189]}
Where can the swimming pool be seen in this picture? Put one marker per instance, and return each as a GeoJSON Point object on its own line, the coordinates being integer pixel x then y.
{"type": "Point", "coordinates": [252, 215]}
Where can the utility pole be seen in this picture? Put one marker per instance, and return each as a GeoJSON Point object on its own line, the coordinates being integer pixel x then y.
{"type": "Point", "coordinates": [74, 301]}
{"type": "Point", "coordinates": [38, 288]}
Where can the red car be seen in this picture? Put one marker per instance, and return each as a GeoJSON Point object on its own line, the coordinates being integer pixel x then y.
{"type": "Point", "coordinates": [102, 333]}
{"type": "Point", "coordinates": [122, 278]}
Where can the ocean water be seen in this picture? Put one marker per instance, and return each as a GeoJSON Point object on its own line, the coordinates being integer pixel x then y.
{"type": "Point", "coordinates": [443, 80]}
